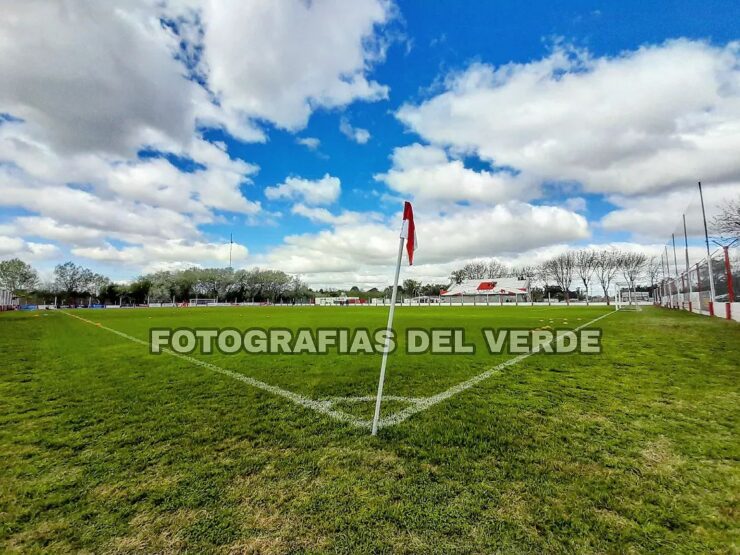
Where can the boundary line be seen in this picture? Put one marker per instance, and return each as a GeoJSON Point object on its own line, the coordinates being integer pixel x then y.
{"type": "Point", "coordinates": [323, 407]}
{"type": "Point", "coordinates": [418, 404]}
{"type": "Point", "coordinates": [428, 402]}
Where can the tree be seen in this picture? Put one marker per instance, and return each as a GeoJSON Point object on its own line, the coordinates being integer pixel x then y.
{"type": "Point", "coordinates": [475, 270]}
{"type": "Point", "coordinates": [631, 265]}
{"type": "Point", "coordinates": [542, 273]}
{"type": "Point", "coordinates": [496, 269]}
{"type": "Point", "coordinates": [457, 277]}
{"type": "Point", "coordinates": [585, 267]}
{"type": "Point", "coordinates": [607, 266]}
{"type": "Point", "coordinates": [411, 287]}
{"type": "Point", "coordinates": [69, 278]}
{"type": "Point", "coordinates": [17, 276]}
{"type": "Point", "coordinates": [652, 269]}
{"type": "Point", "coordinates": [275, 284]}
{"type": "Point", "coordinates": [432, 289]}
{"type": "Point", "coordinates": [727, 222]}
{"type": "Point", "coordinates": [248, 284]}
{"type": "Point", "coordinates": [561, 268]}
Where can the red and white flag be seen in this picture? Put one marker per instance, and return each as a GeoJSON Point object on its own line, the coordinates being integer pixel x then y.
{"type": "Point", "coordinates": [408, 231]}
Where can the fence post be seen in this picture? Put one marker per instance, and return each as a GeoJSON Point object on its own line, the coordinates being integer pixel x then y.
{"type": "Point", "coordinates": [730, 288]}
{"type": "Point", "coordinates": [698, 285]}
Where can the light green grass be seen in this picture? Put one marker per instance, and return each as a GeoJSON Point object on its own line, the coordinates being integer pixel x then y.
{"type": "Point", "coordinates": [107, 448]}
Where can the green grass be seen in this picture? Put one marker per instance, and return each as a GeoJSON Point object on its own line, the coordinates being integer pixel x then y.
{"type": "Point", "coordinates": [107, 448]}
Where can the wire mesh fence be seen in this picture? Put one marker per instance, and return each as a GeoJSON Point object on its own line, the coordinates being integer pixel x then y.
{"type": "Point", "coordinates": [700, 267]}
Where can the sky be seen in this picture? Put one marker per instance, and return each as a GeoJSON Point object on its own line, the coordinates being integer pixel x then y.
{"type": "Point", "coordinates": [138, 136]}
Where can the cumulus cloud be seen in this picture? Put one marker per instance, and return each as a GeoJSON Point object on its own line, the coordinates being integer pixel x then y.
{"type": "Point", "coordinates": [640, 122]}
{"type": "Point", "coordinates": [18, 247]}
{"type": "Point", "coordinates": [63, 73]}
{"type": "Point", "coordinates": [313, 192]}
{"type": "Point", "coordinates": [429, 175]}
{"type": "Point", "coordinates": [100, 146]}
{"type": "Point", "coordinates": [163, 254]}
{"type": "Point", "coordinates": [279, 60]}
{"type": "Point", "coordinates": [505, 229]}
{"type": "Point", "coordinates": [357, 134]}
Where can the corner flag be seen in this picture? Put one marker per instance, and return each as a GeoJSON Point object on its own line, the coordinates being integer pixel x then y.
{"type": "Point", "coordinates": [408, 234]}
{"type": "Point", "coordinates": [408, 231]}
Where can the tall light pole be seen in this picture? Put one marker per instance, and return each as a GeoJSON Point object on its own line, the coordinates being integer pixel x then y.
{"type": "Point", "coordinates": [709, 255]}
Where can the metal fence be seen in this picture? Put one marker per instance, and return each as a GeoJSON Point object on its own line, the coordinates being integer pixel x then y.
{"type": "Point", "coordinates": [700, 270]}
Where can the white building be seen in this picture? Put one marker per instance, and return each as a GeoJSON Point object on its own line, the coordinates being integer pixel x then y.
{"type": "Point", "coordinates": [7, 300]}
{"type": "Point", "coordinates": [491, 290]}
{"type": "Point", "coordinates": [336, 301]}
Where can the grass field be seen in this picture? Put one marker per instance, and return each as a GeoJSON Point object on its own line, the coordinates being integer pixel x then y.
{"type": "Point", "coordinates": [107, 448]}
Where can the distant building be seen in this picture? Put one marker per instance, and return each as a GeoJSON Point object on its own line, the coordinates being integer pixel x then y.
{"type": "Point", "coordinates": [7, 300]}
{"type": "Point", "coordinates": [492, 290]}
{"type": "Point", "coordinates": [337, 301]}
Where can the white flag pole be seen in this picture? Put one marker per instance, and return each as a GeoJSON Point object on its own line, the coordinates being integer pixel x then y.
{"type": "Point", "coordinates": [389, 328]}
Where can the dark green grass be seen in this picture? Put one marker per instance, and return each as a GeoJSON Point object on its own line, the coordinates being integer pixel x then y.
{"type": "Point", "coordinates": [107, 448]}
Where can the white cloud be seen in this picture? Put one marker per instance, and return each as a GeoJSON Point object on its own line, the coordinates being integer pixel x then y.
{"type": "Point", "coordinates": [655, 217]}
{"type": "Point", "coordinates": [323, 216]}
{"type": "Point", "coordinates": [640, 122]}
{"type": "Point", "coordinates": [313, 192]}
{"type": "Point", "coordinates": [29, 251]}
{"type": "Point", "coordinates": [63, 73]}
{"type": "Point", "coordinates": [89, 86]}
{"type": "Point", "coordinates": [368, 248]}
{"type": "Point", "coordinates": [311, 143]}
{"type": "Point", "coordinates": [48, 228]}
{"type": "Point", "coordinates": [163, 254]}
{"type": "Point", "coordinates": [430, 176]}
{"type": "Point", "coordinates": [280, 60]}
{"type": "Point", "coordinates": [357, 134]}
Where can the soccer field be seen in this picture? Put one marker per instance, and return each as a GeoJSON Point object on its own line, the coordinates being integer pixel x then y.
{"type": "Point", "coordinates": [108, 447]}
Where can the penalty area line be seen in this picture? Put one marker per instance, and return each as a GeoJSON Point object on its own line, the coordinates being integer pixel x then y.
{"type": "Point", "coordinates": [322, 407]}
{"type": "Point", "coordinates": [426, 403]}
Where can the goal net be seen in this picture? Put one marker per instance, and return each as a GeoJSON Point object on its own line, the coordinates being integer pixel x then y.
{"type": "Point", "coordinates": [626, 298]}
{"type": "Point", "coordinates": [203, 302]}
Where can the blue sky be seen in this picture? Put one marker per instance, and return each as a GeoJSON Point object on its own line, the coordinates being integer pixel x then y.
{"type": "Point", "coordinates": [517, 129]}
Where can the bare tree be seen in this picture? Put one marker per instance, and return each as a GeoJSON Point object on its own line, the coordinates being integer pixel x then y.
{"type": "Point", "coordinates": [631, 265]}
{"type": "Point", "coordinates": [652, 269]}
{"type": "Point", "coordinates": [496, 269]}
{"type": "Point", "coordinates": [606, 268]}
{"type": "Point", "coordinates": [542, 273]}
{"type": "Point", "coordinates": [561, 268]}
{"type": "Point", "coordinates": [585, 266]}
{"type": "Point", "coordinates": [727, 222]}
{"type": "Point", "coordinates": [475, 270]}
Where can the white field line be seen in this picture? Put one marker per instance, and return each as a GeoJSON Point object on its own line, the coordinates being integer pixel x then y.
{"type": "Point", "coordinates": [418, 404]}
{"type": "Point", "coordinates": [428, 402]}
{"type": "Point", "coordinates": [323, 407]}
{"type": "Point", "coordinates": [367, 398]}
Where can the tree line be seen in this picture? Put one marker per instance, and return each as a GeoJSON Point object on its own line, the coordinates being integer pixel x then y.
{"type": "Point", "coordinates": [75, 284]}
{"type": "Point", "coordinates": [557, 275]}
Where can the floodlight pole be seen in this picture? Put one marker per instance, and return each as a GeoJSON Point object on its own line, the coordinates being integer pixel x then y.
{"type": "Point", "coordinates": [688, 272]}
{"type": "Point", "coordinates": [389, 329]}
{"type": "Point", "coordinates": [709, 255]}
{"type": "Point", "coordinates": [675, 264]}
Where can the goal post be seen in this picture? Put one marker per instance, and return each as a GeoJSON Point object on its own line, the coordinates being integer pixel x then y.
{"type": "Point", "coordinates": [625, 297]}
{"type": "Point", "coordinates": [202, 302]}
